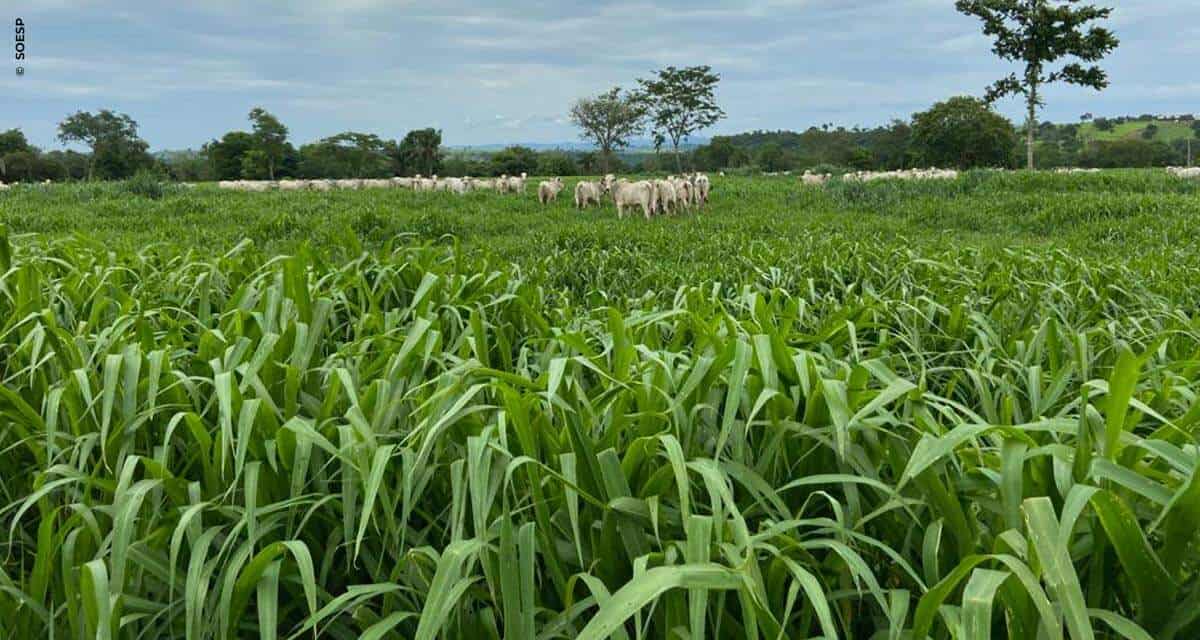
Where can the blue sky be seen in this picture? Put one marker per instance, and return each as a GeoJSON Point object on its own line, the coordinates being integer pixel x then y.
{"type": "Point", "coordinates": [505, 72]}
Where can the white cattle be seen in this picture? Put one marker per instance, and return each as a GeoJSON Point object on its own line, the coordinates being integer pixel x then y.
{"type": "Point", "coordinates": [703, 188]}
{"type": "Point", "coordinates": [293, 185]}
{"type": "Point", "coordinates": [684, 193]}
{"type": "Point", "coordinates": [810, 179]}
{"type": "Point", "coordinates": [548, 190]}
{"type": "Point", "coordinates": [665, 196]}
{"type": "Point", "coordinates": [634, 194]}
{"type": "Point", "coordinates": [1186, 173]}
{"type": "Point", "coordinates": [517, 185]}
{"type": "Point", "coordinates": [589, 193]}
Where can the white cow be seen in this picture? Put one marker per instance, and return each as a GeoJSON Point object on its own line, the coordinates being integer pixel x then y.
{"type": "Point", "coordinates": [665, 196]}
{"type": "Point", "coordinates": [684, 193]}
{"type": "Point", "coordinates": [634, 194]}
{"type": "Point", "coordinates": [589, 193]}
{"type": "Point", "coordinates": [548, 190]}
{"type": "Point", "coordinates": [517, 185]}
{"type": "Point", "coordinates": [703, 188]}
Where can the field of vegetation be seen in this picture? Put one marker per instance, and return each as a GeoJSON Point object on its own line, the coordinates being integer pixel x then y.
{"type": "Point", "coordinates": [891, 410]}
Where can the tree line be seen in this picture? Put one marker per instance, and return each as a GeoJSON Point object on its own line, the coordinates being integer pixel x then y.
{"type": "Point", "coordinates": [1051, 41]}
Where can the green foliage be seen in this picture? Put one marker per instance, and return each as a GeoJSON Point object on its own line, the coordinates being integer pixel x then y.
{"type": "Point", "coordinates": [680, 102]}
{"type": "Point", "coordinates": [556, 163]}
{"type": "Point", "coordinates": [270, 143]}
{"type": "Point", "coordinates": [963, 132]}
{"type": "Point", "coordinates": [514, 161]}
{"type": "Point", "coordinates": [116, 150]}
{"type": "Point", "coordinates": [146, 184]}
{"type": "Point", "coordinates": [609, 120]}
{"type": "Point", "coordinates": [1037, 34]}
{"type": "Point", "coordinates": [348, 155]}
{"type": "Point", "coordinates": [226, 155]}
{"type": "Point", "coordinates": [889, 410]}
{"type": "Point", "coordinates": [420, 152]}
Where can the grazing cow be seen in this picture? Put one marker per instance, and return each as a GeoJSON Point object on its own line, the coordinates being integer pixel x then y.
{"type": "Point", "coordinates": [810, 179]}
{"type": "Point", "coordinates": [684, 193]}
{"type": "Point", "coordinates": [517, 185]}
{"type": "Point", "coordinates": [634, 194]}
{"type": "Point", "coordinates": [402, 183]}
{"type": "Point", "coordinates": [608, 181]}
{"type": "Point", "coordinates": [548, 190]}
{"type": "Point", "coordinates": [665, 196]}
{"type": "Point", "coordinates": [589, 193]}
{"type": "Point", "coordinates": [293, 185]}
{"type": "Point", "coordinates": [703, 188]}
{"type": "Point", "coordinates": [321, 185]}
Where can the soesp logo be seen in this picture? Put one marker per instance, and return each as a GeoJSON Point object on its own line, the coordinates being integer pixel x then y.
{"type": "Point", "coordinates": [19, 37]}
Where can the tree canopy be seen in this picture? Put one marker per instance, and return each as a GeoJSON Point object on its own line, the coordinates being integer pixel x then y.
{"type": "Point", "coordinates": [965, 133]}
{"type": "Point", "coordinates": [117, 151]}
{"type": "Point", "coordinates": [680, 102]}
{"type": "Point", "coordinates": [609, 120]}
{"type": "Point", "coordinates": [1037, 34]}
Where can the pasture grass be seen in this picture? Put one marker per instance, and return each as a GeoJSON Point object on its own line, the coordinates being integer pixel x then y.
{"type": "Point", "coordinates": [961, 409]}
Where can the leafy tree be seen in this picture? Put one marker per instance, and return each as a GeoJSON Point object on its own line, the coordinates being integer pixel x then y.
{"type": "Point", "coordinates": [270, 138]}
{"type": "Point", "coordinates": [1196, 128]}
{"type": "Point", "coordinates": [70, 165]}
{"type": "Point", "coordinates": [1117, 154]}
{"type": "Point", "coordinates": [963, 132]}
{"type": "Point", "coordinates": [420, 151]}
{"type": "Point", "coordinates": [1038, 33]}
{"type": "Point", "coordinates": [609, 120]}
{"type": "Point", "coordinates": [514, 161]}
{"type": "Point", "coordinates": [1104, 124]}
{"type": "Point", "coordinates": [556, 163]}
{"type": "Point", "coordinates": [348, 155]}
{"type": "Point", "coordinates": [772, 158]}
{"type": "Point", "coordinates": [187, 165]}
{"type": "Point", "coordinates": [256, 165]}
{"type": "Point", "coordinates": [1150, 131]}
{"type": "Point", "coordinates": [11, 141]}
{"type": "Point", "coordinates": [680, 102]}
{"type": "Point", "coordinates": [117, 151]}
{"type": "Point", "coordinates": [861, 159]}
{"type": "Point", "coordinates": [225, 155]}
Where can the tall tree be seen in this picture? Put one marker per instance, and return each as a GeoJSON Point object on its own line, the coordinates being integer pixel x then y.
{"type": "Point", "coordinates": [113, 139]}
{"type": "Point", "coordinates": [1039, 33]}
{"type": "Point", "coordinates": [11, 141]}
{"type": "Point", "coordinates": [226, 155]}
{"type": "Point", "coordinates": [270, 137]}
{"type": "Point", "coordinates": [963, 132]}
{"type": "Point", "coordinates": [420, 151]}
{"type": "Point", "coordinates": [680, 102]}
{"type": "Point", "coordinates": [609, 120]}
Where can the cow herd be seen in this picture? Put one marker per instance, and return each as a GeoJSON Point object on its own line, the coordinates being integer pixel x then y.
{"type": "Point", "coordinates": [667, 196]}
{"type": "Point", "coordinates": [663, 197]}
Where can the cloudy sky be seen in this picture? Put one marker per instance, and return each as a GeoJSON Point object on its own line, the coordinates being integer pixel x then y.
{"type": "Point", "coordinates": [485, 73]}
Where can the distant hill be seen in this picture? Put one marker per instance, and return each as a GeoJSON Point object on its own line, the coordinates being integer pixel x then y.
{"type": "Point", "coordinates": [1168, 130]}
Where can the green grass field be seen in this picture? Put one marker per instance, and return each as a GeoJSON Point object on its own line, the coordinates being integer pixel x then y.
{"type": "Point", "coordinates": [948, 410]}
{"type": "Point", "coordinates": [1168, 131]}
